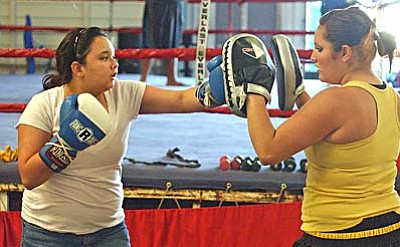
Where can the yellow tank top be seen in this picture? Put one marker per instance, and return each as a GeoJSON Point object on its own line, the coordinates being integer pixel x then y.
{"type": "Point", "coordinates": [348, 182]}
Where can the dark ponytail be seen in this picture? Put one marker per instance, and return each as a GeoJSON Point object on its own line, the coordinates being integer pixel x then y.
{"type": "Point", "coordinates": [386, 46]}
{"type": "Point", "coordinates": [74, 47]}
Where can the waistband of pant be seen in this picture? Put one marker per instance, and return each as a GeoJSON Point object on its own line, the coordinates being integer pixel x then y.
{"type": "Point", "coordinates": [356, 235]}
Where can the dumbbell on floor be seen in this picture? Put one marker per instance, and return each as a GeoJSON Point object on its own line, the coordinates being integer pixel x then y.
{"type": "Point", "coordinates": [289, 164]}
{"type": "Point", "coordinates": [224, 163]}
{"type": "Point", "coordinates": [303, 165]}
{"type": "Point", "coordinates": [246, 164]}
{"type": "Point", "coordinates": [256, 165]}
{"type": "Point", "coordinates": [237, 162]}
{"type": "Point", "coordinates": [276, 167]}
{"type": "Point", "coordinates": [249, 164]}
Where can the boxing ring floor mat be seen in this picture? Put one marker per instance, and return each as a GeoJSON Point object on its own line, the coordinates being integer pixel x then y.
{"type": "Point", "coordinates": [200, 136]}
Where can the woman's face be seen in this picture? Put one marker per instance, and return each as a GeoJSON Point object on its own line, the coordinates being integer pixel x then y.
{"type": "Point", "coordinates": [328, 62]}
{"type": "Point", "coordinates": [101, 68]}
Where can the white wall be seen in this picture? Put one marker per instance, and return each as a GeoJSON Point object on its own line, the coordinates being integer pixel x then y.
{"type": "Point", "coordinates": [291, 16]}
{"type": "Point", "coordinates": [128, 13]}
{"type": "Point", "coordinates": [61, 14]}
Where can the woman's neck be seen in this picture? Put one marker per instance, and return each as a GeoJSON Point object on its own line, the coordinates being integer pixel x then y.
{"type": "Point", "coordinates": [367, 76]}
{"type": "Point", "coordinates": [69, 90]}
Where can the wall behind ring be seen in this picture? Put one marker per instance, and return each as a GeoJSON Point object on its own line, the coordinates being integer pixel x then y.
{"type": "Point", "coordinates": [118, 14]}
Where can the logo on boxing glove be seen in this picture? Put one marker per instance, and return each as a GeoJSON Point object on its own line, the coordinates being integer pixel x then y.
{"type": "Point", "coordinates": [58, 156]}
{"type": "Point", "coordinates": [254, 52]}
{"type": "Point", "coordinates": [83, 133]}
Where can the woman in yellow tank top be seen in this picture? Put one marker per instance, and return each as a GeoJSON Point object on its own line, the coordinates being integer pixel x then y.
{"type": "Point", "coordinates": [350, 133]}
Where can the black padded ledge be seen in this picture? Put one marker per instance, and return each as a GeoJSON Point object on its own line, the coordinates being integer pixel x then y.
{"type": "Point", "coordinates": [154, 176]}
{"type": "Point", "coordinates": [213, 179]}
{"type": "Point", "coordinates": [9, 173]}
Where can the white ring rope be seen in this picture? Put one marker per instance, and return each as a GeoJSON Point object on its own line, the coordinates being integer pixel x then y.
{"type": "Point", "coordinates": [201, 45]}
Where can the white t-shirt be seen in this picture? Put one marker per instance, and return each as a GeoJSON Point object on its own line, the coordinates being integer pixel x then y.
{"type": "Point", "coordinates": [87, 196]}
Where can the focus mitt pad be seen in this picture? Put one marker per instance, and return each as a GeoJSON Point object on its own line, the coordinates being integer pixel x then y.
{"type": "Point", "coordinates": [289, 75]}
{"type": "Point", "coordinates": [247, 68]}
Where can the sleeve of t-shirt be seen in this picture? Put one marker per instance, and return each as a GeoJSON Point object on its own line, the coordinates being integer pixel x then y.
{"type": "Point", "coordinates": [132, 95]}
{"type": "Point", "coordinates": [38, 113]}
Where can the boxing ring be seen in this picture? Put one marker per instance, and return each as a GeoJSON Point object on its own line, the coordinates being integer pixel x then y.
{"type": "Point", "coordinates": [167, 187]}
{"type": "Point", "coordinates": [149, 142]}
{"type": "Point", "coordinates": [152, 135]}
{"type": "Point", "coordinates": [166, 205]}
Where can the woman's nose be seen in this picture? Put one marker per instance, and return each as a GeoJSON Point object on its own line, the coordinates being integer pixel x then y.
{"type": "Point", "coordinates": [313, 56]}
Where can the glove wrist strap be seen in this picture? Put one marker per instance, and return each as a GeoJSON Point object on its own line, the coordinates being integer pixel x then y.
{"type": "Point", "coordinates": [205, 97]}
{"type": "Point", "coordinates": [56, 154]}
{"type": "Point", "coordinates": [257, 89]}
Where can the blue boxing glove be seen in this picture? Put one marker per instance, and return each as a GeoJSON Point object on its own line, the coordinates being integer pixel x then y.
{"type": "Point", "coordinates": [211, 93]}
{"type": "Point", "coordinates": [83, 123]}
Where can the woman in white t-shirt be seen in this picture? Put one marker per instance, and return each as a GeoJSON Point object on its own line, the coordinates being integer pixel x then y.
{"type": "Point", "coordinates": [74, 193]}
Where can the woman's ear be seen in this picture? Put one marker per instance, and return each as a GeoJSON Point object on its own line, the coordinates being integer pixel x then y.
{"type": "Point", "coordinates": [346, 53]}
{"type": "Point", "coordinates": [76, 69]}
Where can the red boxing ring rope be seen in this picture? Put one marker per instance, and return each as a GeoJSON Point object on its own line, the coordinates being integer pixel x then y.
{"type": "Point", "coordinates": [185, 54]}
{"type": "Point", "coordinates": [20, 107]}
{"type": "Point", "coordinates": [12, 107]}
{"type": "Point", "coordinates": [271, 112]}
